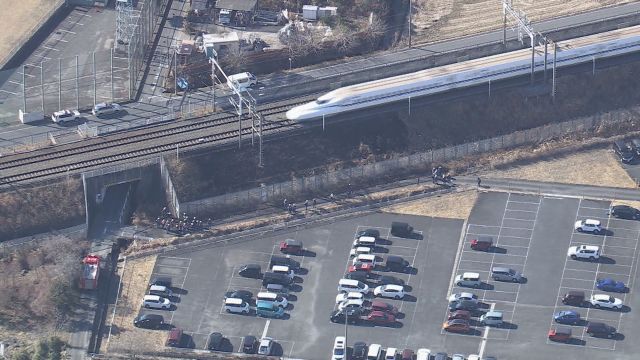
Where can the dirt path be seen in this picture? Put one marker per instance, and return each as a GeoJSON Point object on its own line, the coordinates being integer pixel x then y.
{"type": "Point", "coordinates": [21, 19]}
{"type": "Point", "coordinates": [446, 19]}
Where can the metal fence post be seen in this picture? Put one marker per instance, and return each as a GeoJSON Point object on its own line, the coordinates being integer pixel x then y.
{"type": "Point", "coordinates": [41, 83]}
{"type": "Point", "coordinates": [95, 92]}
{"type": "Point", "coordinates": [111, 65]}
{"type": "Point", "coordinates": [59, 83]}
{"type": "Point", "coordinates": [77, 85]}
{"type": "Point", "coordinates": [24, 87]}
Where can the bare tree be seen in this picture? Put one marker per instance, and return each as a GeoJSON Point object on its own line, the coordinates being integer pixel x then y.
{"type": "Point", "coordinates": [344, 38]}
{"type": "Point", "coordinates": [373, 30]}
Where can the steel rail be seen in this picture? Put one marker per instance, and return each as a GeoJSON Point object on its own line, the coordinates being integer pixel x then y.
{"type": "Point", "coordinates": [151, 150]}
{"type": "Point", "coordinates": [272, 109]}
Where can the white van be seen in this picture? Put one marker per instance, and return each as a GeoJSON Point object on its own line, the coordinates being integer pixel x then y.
{"type": "Point", "coordinates": [375, 350]}
{"type": "Point", "coordinates": [469, 279]}
{"type": "Point", "coordinates": [348, 285]}
{"type": "Point", "coordinates": [242, 81]}
{"type": "Point", "coordinates": [235, 305]}
{"type": "Point", "coordinates": [273, 298]}
{"type": "Point", "coordinates": [364, 241]}
{"type": "Point", "coordinates": [281, 269]}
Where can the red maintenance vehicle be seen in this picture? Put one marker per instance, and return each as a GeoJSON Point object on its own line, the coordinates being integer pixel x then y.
{"type": "Point", "coordinates": [90, 272]}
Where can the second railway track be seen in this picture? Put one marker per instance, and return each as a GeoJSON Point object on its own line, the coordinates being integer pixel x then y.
{"type": "Point", "coordinates": [156, 133]}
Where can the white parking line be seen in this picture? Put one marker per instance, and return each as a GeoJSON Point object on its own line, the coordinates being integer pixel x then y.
{"type": "Point", "coordinates": [522, 202]}
{"type": "Point", "coordinates": [66, 31]}
{"type": "Point", "coordinates": [496, 226]}
{"type": "Point", "coordinates": [520, 219]}
{"type": "Point", "coordinates": [483, 343]}
{"type": "Point", "coordinates": [50, 48]}
{"type": "Point", "coordinates": [266, 328]}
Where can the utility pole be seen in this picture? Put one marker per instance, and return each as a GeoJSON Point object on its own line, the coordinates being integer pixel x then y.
{"type": "Point", "coordinates": [524, 25]}
{"type": "Point", "coordinates": [410, 8]}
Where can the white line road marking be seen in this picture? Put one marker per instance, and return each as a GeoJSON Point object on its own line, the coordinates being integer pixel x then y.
{"type": "Point", "coordinates": [50, 48]}
{"type": "Point", "coordinates": [483, 344]}
{"type": "Point", "coordinates": [9, 92]}
{"type": "Point", "coordinates": [458, 254]}
{"type": "Point", "coordinates": [67, 31]}
{"type": "Point", "coordinates": [266, 328]}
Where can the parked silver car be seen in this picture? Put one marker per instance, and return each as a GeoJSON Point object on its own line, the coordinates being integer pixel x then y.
{"type": "Point", "coordinates": [505, 274]}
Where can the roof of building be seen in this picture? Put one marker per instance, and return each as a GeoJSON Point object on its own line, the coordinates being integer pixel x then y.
{"type": "Point", "coordinates": [198, 4]}
{"type": "Point", "coordinates": [242, 5]}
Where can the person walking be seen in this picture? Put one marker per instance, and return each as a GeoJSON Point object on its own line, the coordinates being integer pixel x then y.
{"type": "Point", "coordinates": [479, 182]}
{"type": "Point", "coordinates": [284, 203]}
{"type": "Point", "coordinates": [314, 202]}
{"type": "Point", "coordinates": [306, 205]}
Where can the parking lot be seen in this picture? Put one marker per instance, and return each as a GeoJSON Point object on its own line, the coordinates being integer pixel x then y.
{"type": "Point", "coordinates": [531, 234]}
{"type": "Point", "coordinates": [202, 277]}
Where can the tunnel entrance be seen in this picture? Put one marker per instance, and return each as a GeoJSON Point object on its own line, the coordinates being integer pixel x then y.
{"type": "Point", "coordinates": [111, 209]}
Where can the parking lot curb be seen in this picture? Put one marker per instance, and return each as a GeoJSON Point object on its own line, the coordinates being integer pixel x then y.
{"type": "Point", "coordinates": [458, 253]}
{"type": "Point", "coordinates": [288, 225]}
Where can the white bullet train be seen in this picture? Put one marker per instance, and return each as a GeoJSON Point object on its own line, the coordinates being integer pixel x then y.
{"type": "Point", "coordinates": [467, 73]}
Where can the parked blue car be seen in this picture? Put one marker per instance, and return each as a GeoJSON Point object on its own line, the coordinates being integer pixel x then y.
{"type": "Point", "coordinates": [609, 284]}
{"type": "Point", "coordinates": [567, 317]}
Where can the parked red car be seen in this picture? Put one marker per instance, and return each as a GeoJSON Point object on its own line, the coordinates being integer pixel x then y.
{"type": "Point", "coordinates": [482, 243]}
{"type": "Point", "coordinates": [459, 314]}
{"type": "Point", "coordinates": [291, 246]}
{"type": "Point", "coordinates": [378, 305]}
{"type": "Point", "coordinates": [561, 333]}
{"type": "Point", "coordinates": [381, 318]}
{"type": "Point", "coordinates": [457, 325]}
{"type": "Point", "coordinates": [361, 267]}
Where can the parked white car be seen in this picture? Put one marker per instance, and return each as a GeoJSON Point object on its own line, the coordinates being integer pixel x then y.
{"type": "Point", "coordinates": [590, 252]}
{"type": "Point", "coordinates": [605, 301]}
{"type": "Point", "coordinates": [351, 304]}
{"type": "Point", "coordinates": [339, 348]}
{"type": "Point", "coordinates": [389, 291]}
{"type": "Point", "coordinates": [391, 354]}
{"type": "Point", "coordinates": [342, 297]}
{"type": "Point", "coordinates": [266, 344]}
{"type": "Point", "coordinates": [365, 259]}
{"type": "Point", "coordinates": [156, 302]}
{"type": "Point", "coordinates": [463, 296]}
{"type": "Point", "coordinates": [588, 225]}
{"type": "Point", "coordinates": [360, 250]}
{"type": "Point", "coordinates": [64, 116]}
{"type": "Point", "coordinates": [105, 109]}
{"type": "Point", "coordinates": [423, 354]}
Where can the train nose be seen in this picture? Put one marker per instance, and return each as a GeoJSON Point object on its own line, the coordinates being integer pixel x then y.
{"type": "Point", "coordinates": [304, 112]}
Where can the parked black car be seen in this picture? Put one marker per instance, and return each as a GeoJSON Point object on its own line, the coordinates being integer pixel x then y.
{"type": "Point", "coordinates": [401, 229]}
{"type": "Point", "coordinates": [249, 344]}
{"type": "Point", "coordinates": [250, 271]}
{"type": "Point", "coordinates": [149, 321]}
{"type": "Point", "coordinates": [359, 275]}
{"type": "Point", "coordinates": [389, 280]}
{"type": "Point", "coordinates": [397, 264]}
{"type": "Point", "coordinates": [215, 341]}
{"type": "Point", "coordinates": [624, 151]}
{"type": "Point", "coordinates": [369, 232]}
{"type": "Point", "coordinates": [276, 278]}
{"type": "Point", "coordinates": [284, 261]}
{"type": "Point", "coordinates": [624, 212]}
{"type": "Point", "coordinates": [245, 295]}
{"type": "Point", "coordinates": [600, 329]}
{"type": "Point", "coordinates": [359, 351]}
{"type": "Point", "coordinates": [574, 297]}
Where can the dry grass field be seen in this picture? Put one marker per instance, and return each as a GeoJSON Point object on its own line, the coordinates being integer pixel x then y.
{"type": "Point", "coordinates": [20, 19]}
{"type": "Point", "coordinates": [124, 336]}
{"type": "Point", "coordinates": [446, 19]}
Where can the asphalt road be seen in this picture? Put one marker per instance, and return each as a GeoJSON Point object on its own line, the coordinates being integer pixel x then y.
{"type": "Point", "coordinates": [153, 103]}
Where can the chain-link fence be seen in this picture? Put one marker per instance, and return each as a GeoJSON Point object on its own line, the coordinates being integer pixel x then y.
{"type": "Point", "coordinates": [81, 81]}
{"type": "Point", "coordinates": [324, 183]}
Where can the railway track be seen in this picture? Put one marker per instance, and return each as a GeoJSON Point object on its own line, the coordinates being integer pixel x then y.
{"type": "Point", "coordinates": [146, 151]}
{"type": "Point", "coordinates": [156, 133]}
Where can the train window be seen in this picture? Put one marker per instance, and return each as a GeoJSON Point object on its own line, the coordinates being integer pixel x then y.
{"type": "Point", "coordinates": [320, 102]}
